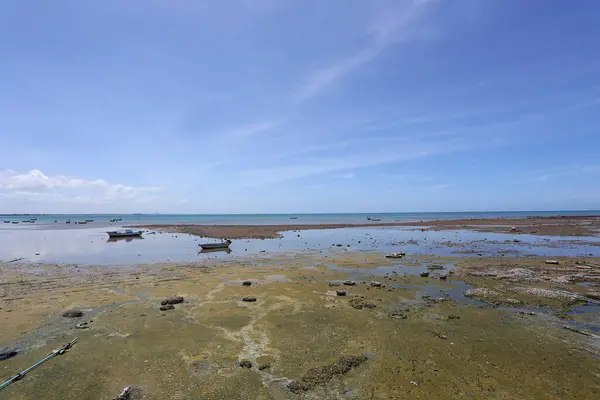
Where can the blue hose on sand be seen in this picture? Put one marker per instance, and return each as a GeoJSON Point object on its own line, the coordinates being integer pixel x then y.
{"type": "Point", "coordinates": [55, 353]}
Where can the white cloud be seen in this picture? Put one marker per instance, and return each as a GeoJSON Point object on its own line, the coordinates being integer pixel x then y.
{"type": "Point", "coordinates": [35, 185]}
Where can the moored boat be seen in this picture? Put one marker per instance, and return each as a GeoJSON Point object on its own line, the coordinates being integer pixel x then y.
{"type": "Point", "coordinates": [396, 255]}
{"type": "Point", "coordinates": [125, 233]}
{"type": "Point", "coordinates": [221, 245]}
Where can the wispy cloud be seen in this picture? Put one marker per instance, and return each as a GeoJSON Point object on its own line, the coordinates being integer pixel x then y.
{"type": "Point", "coordinates": [251, 130]}
{"type": "Point", "coordinates": [355, 158]}
{"type": "Point", "coordinates": [392, 22]}
{"type": "Point", "coordinates": [346, 175]}
{"type": "Point", "coordinates": [567, 171]}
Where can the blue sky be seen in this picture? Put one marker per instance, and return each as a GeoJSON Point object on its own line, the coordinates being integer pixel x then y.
{"type": "Point", "coordinates": [299, 106]}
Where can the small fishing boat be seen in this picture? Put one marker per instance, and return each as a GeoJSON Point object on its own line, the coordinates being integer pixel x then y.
{"type": "Point", "coordinates": [89, 220]}
{"type": "Point", "coordinates": [293, 217]}
{"type": "Point", "coordinates": [221, 245]}
{"type": "Point", "coordinates": [81, 222]}
{"type": "Point", "coordinates": [396, 255]}
{"type": "Point", "coordinates": [222, 249]}
{"type": "Point", "coordinates": [7, 222]}
{"type": "Point", "coordinates": [124, 234]}
{"type": "Point", "coordinates": [15, 222]}
{"type": "Point", "coordinates": [68, 221]}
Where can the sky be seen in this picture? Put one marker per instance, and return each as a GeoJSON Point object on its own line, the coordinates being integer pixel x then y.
{"type": "Point", "coordinates": [275, 106]}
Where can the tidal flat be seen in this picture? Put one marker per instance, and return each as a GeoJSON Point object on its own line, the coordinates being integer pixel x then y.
{"type": "Point", "coordinates": [393, 334]}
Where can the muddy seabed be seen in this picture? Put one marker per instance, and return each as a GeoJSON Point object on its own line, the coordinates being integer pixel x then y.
{"type": "Point", "coordinates": [385, 342]}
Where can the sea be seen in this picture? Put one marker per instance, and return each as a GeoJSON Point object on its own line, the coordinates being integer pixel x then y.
{"type": "Point", "coordinates": [48, 239]}
{"type": "Point", "coordinates": [267, 219]}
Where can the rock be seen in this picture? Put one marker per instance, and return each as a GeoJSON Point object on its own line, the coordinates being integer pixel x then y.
{"type": "Point", "coordinates": [262, 367]}
{"type": "Point", "coordinates": [332, 284]}
{"type": "Point", "coordinates": [245, 364]}
{"type": "Point", "coordinates": [552, 262]}
{"type": "Point", "coordinates": [321, 375]}
{"type": "Point", "coordinates": [72, 313]}
{"type": "Point", "coordinates": [6, 353]}
{"type": "Point", "coordinates": [397, 315]}
{"type": "Point", "coordinates": [439, 335]}
{"type": "Point", "coordinates": [526, 312]}
{"type": "Point", "coordinates": [452, 316]}
{"type": "Point", "coordinates": [429, 299]}
{"type": "Point", "coordinates": [340, 292]}
{"type": "Point", "coordinates": [82, 325]}
{"type": "Point", "coordinates": [349, 283]}
{"type": "Point", "coordinates": [375, 284]}
{"type": "Point", "coordinates": [167, 307]}
{"type": "Point", "coordinates": [246, 283]}
{"type": "Point", "coordinates": [359, 304]}
{"type": "Point", "coordinates": [249, 299]}
{"type": "Point", "coordinates": [172, 300]}
{"type": "Point", "coordinates": [433, 267]}
{"type": "Point", "coordinates": [513, 229]}
{"type": "Point", "coordinates": [443, 277]}
{"type": "Point", "coordinates": [424, 274]}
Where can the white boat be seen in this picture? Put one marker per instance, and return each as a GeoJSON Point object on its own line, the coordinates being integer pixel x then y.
{"type": "Point", "coordinates": [396, 255]}
{"type": "Point", "coordinates": [221, 245]}
{"type": "Point", "coordinates": [125, 233]}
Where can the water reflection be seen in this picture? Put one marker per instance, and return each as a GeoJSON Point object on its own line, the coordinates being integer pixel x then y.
{"type": "Point", "coordinates": [123, 239]}
{"type": "Point", "coordinates": [90, 245]}
{"type": "Point", "coordinates": [226, 250]}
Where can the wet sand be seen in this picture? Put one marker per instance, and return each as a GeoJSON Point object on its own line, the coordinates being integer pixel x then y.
{"type": "Point", "coordinates": [251, 231]}
{"type": "Point", "coordinates": [545, 226]}
{"type": "Point", "coordinates": [435, 347]}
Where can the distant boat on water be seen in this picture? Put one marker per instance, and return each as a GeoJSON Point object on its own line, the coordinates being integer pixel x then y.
{"type": "Point", "coordinates": [68, 221]}
{"type": "Point", "coordinates": [293, 217]}
{"type": "Point", "coordinates": [7, 222]}
{"type": "Point", "coordinates": [124, 234]}
{"type": "Point", "coordinates": [221, 245]}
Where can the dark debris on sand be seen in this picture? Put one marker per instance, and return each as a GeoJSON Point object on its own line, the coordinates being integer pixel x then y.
{"type": "Point", "coordinates": [321, 375]}
{"type": "Point", "coordinates": [73, 313]}
{"type": "Point", "coordinates": [172, 300]}
{"type": "Point", "coordinates": [129, 393]}
{"type": "Point", "coordinates": [359, 303]}
{"type": "Point", "coordinates": [6, 353]}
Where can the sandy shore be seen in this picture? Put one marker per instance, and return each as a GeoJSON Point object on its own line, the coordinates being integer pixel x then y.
{"type": "Point", "coordinates": [380, 342]}
{"type": "Point", "coordinates": [251, 231]}
{"type": "Point", "coordinates": [546, 226]}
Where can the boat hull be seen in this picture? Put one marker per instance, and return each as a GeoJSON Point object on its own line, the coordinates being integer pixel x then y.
{"type": "Point", "coordinates": [212, 246]}
{"type": "Point", "coordinates": [115, 235]}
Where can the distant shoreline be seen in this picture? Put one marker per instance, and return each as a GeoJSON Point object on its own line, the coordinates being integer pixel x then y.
{"type": "Point", "coordinates": [546, 226]}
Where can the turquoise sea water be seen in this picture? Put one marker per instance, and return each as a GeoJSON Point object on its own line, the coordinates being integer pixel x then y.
{"type": "Point", "coordinates": [264, 219]}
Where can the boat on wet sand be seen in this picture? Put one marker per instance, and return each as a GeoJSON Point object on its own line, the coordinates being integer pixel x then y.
{"type": "Point", "coordinates": [124, 234]}
{"type": "Point", "coordinates": [396, 255]}
{"type": "Point", "coordinates": [220, 245]}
